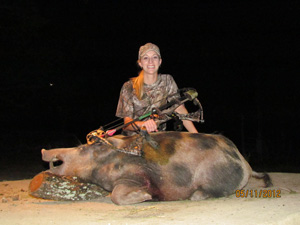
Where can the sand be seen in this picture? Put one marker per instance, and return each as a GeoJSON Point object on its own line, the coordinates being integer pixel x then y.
{"type": "Point", "coordinates": [281, 205]}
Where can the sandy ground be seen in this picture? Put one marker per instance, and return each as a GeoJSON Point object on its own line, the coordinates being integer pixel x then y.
{"type": "Point", "coordinates": [280, 206]}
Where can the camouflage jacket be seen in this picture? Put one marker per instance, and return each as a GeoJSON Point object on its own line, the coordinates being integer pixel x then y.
{"type": "Point", "coordinates": [155, 95]}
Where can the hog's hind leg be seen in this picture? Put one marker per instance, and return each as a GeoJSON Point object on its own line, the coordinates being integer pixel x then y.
{"type": "Point", "coordinates": [124, 194]}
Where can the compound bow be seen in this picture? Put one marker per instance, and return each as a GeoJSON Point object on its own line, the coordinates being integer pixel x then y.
{"type": "Point", "coordinates": [161, 115]}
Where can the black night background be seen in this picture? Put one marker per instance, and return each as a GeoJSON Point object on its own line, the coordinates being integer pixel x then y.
{"type": "Point", "coordinates": [63, 64]}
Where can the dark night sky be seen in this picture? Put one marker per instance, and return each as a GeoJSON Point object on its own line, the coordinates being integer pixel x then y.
{"type": "Point", "coordinates": [63, 64]}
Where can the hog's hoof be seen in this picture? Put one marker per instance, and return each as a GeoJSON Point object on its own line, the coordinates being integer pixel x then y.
{"type": "Point", "coordinates": [198, 196]}
{"type": "Point", "coordinates": [123, 195]}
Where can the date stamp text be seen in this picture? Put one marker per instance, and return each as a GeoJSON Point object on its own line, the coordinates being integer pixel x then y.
{"type": "Point", "coordinates": [253, 193]}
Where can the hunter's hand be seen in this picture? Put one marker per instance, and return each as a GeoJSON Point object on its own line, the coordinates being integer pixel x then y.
{"type": "Point", "coordinates": [150, 125]}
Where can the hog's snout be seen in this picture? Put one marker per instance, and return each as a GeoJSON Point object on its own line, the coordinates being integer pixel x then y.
{"type": "Point", "coordinates": [47, 155]}
{"type": "Point", "coordinates": [50, 156]}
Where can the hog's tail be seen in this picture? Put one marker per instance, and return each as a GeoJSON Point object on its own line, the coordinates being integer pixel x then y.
{"type": "Point", "coordinates": [266, 178]}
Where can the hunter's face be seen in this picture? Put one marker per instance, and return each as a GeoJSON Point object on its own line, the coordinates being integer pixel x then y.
{"type": "Point", "coordinates": [150, 62]}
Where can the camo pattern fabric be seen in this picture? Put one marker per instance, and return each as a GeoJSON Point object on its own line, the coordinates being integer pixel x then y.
{"type": "Point", "coordinates": [155, 95]}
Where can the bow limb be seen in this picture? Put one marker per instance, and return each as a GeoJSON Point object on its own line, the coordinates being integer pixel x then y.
{"type": "Point", "coordinates": [170, 113]}
{"type": "Point", "coordinates": [194, 116]}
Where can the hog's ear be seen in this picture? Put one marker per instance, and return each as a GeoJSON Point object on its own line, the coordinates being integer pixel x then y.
{"type": "Point", "coordinates": [121, 141]}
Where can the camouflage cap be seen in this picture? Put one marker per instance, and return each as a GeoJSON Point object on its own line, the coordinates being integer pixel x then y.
{"type": "Point", "coordinates": [148, 47]}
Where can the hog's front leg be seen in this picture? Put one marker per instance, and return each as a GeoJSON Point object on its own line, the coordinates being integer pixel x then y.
{"type": "Point", "coordinates": [126, 194]}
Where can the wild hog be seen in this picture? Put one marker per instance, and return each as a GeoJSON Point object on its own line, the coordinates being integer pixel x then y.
{"type": "Point", "coordinates": [184, 166]}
